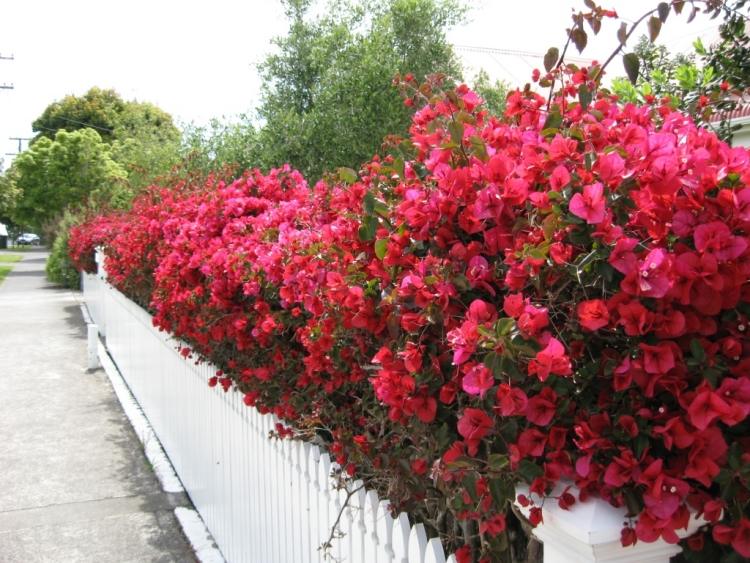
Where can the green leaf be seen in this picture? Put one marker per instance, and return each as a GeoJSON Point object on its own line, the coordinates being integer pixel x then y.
{"type": "Point", "coordinates": [501, 492]}
{"type": "Point", "coordinates": [368, 203]}
{"type": "Point", "coordinates": [456, 129]}
{"type": "Point", "coordinates": [497, 462]}
{"type": "Point", "coordinates": [663, 11]}
{"type": "Point", "coordinates": [551, 58]}
{"type": "Point", "coordinates": [504, 326]}
{"type": "Point", "coordinates": [632, 66]}
{"type": "Point", "coordinates": [654, 27]}
{"type": "Point", "coordinates": [381, 209]}
{"type": "Point", "coordinates": [398, 166]}
{"type": "Point", "coordinates": [596, 24]}
{"type": "Point", "coordinates": [622, 33]}
{"type": "Point", "coordinates": [632, 502]}
{"type": "Point", "coordinates": [347, 175]}
{"type": "Point", "coordinates": [579, 38]}
{"type": "Point", "coordinates": [494, 363]}
{"type": "Point", "coordinates": [368, 228]}
{"type": "Point", "coordinates": [697, 350]}
{"type": "Point", "coordinates": [554, 120]}
{"type": "Point", "coordinates": [381, 248]}
{"type": "Point", "coordinates": [584, 96]}
{"type": "Point", "coordinates": [470, 483]}
{"type": "Point", "coordinates": [529, 470]}
{"type": "Point", "coordinates": [479, 148]}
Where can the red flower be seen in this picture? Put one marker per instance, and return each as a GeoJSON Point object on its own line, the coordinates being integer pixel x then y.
{"type": "Point", "coordinates": [551, 360]}
{"type": "Point", "coordinates": [511, 400]}
{"type": "Point", "coordinates": [474, 425]}
{"type": "Point", "coordinates": [541, 408]}
{"type": "Point", "coordinates": [592, 314]}
{"type": "Point", "coordinates": [705, 407]}
{"type": "Point", "coordinates": [493, 526]}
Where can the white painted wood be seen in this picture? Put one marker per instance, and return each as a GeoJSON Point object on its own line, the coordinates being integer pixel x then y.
{"type": "Point", "coordinates": [371, 540]}
{"type": "Point", "coordinates": [385, 524]}
{"type": "Point", "coordinates": [434, 552]}
{"type": "Point", "coordinates": [400, 539]}
{"type": "Point", "coordinates": [589, 532]}
{"type": "Point", "coordinates": [358, 530]}
{"type": "Point", "coordinates": [417, 544]}
{"type": "Point", "coordinates": [263, 500]}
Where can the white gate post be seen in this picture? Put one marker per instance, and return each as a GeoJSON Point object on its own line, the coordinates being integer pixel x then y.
{"type": "Point", "coordinates": [589, 532]}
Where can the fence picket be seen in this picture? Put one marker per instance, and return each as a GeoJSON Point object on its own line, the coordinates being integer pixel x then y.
{"type": "Point", "coordinates": [417, 543]}
{"type": "Point", "coordinates": [400, 539]}
{"type": "Point", "coordinates": [358, 530]}
{"type": "Point", "coordinates": [385, 532]}
{"type": "Point", "coordinates": [434, 552]}
{"type": "Point", "coordinates": [371, 546]}
{"type": "Point", "coordinates": [263, 499]}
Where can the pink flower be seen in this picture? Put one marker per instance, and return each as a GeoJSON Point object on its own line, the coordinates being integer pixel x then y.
{"type": "Point", "coordinates": [478, 380]}
{"type": "Point", "coordinates": [551, 360]}
{"type": "Point", "coordinates": [717, 239]}
{"type": "Point", "coordinates": [589, 205]}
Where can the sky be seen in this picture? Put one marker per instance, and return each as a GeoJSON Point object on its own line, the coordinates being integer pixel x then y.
{"type": "Point", "coordinates": [198, 60]}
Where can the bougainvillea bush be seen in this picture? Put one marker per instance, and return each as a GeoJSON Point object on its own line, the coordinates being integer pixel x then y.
{"type": "Point", "coordinates": [549, 296]}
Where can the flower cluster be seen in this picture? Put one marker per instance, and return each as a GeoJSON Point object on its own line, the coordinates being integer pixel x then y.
{"type": "Point", "coordinates": [543, 296]}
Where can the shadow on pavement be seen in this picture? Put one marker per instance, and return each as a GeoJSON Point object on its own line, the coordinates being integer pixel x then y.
{"type": "Point", "coordinates": [74, 319]}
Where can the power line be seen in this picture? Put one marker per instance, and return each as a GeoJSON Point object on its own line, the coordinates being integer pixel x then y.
{"type": "Point", "coordinates": [512, 52]}
{"type": "Point", "coordinates": [85, 124]}
{"type": "Point", "coordinates": [4, 85]}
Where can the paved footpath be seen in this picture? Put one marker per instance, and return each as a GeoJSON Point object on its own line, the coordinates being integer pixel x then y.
{"type": "Point", "coordinates": [74, 483]}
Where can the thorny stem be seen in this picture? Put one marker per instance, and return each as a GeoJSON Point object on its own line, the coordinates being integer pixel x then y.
{"type": "Point", "coordinates": [559, 64]}
{"type": "Point", "coordinates": [329, 542]}
{"type": "Point", "coordinates": [622, 43]}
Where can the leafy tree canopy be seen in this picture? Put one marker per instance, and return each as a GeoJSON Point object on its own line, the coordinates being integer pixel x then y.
{"type": "Point", "coordinates": [229, 147]}
{"type": "Point", "coordinates": [9, 194]}
{"type": "Point", "coordinates": [143, 137]}
{"type": "Point", "coordinates": [74, 169]}
{"type": "Point", "coordinates": [106, 112]}
{"type": "Point", "coordinates": [328, 94]}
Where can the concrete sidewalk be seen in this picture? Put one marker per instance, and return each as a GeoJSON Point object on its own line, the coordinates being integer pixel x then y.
{"type": "Point", "coordinates": [74, 483]}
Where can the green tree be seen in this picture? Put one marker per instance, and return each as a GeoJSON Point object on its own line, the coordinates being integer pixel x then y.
{"type": "Point", "coordinates": [146, 143]}
{"type": "Point", "coordinates": [663, 74]}
{"type": "Point", "coordinates": [328, 95]}
{"type": "Point", "coordinates": [224, 146]}
{"type": "Point", "coordinates": [494, 93]}
{"type": "Point", "coordinates": [74, 169]}
{"type": "Point", "coordinates": [143, 137]}
{"type": "Point", "coordinates": [9, 194]}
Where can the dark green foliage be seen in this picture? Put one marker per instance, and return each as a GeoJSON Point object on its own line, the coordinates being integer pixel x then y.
{"type": "Point", "coordinates": [328, 94]}
{"type": "Point", "coordinates": [59, 268]}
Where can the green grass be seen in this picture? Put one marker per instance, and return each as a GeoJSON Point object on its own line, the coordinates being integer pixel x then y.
{"type": "Point", "coordinates": [4, 270]}
{"type": "Point", "coordinates": [25, 248]}
{"type": "Point", "coordinates": [7, 259]}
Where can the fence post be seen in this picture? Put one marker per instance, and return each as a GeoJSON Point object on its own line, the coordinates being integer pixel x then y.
{"type": "Point", "coordinates": [92, 347]}
{"type": "Point", "coordinates": [589, 532]}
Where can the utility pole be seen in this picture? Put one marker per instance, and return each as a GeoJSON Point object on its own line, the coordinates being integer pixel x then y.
{"type": "Point", "coordinates": [19, 139]}
{"type": "Point", "coordinates": [4, 85]}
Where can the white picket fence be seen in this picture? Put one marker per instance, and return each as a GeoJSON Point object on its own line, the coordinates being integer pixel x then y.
{"type": "Point", "coordinates": [264, 500]}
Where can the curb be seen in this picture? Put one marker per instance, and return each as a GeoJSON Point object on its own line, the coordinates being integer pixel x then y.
{"type": "Point", "coordinates": [190, 521]}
